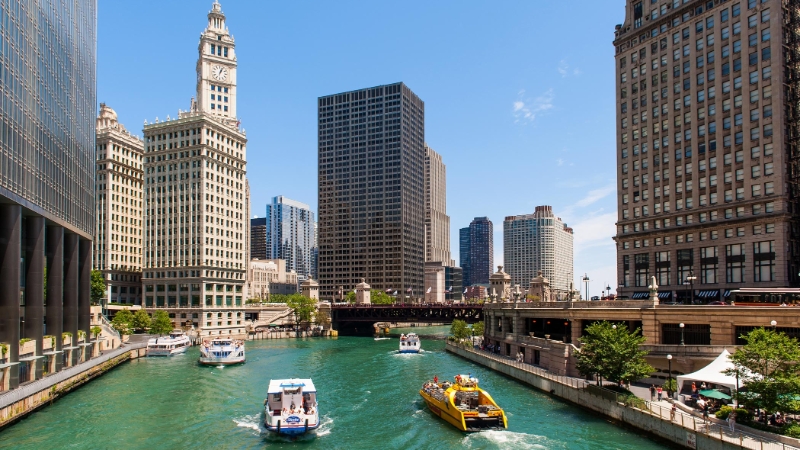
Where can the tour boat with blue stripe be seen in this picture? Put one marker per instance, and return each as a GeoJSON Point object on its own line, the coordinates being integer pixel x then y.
{"type": "Point", "coordinates": [177, 342]}
{"type": "Point", "coordinates": [222, 352]}
{"type": "Point", "coordinates": [409, 343]}
{"type": "Point", "coordinates": [291, 406]}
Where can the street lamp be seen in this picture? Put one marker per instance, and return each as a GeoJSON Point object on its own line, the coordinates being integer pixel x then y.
{"type": "Point", "coordinates": [774, 324]}
{"type": "Point", "coordinates": [682, 326]}
{"type": "Point", "coordinates": [585, 279]}
{"type": "Point", "coordinates": [669, 383]}
{"type": "Point", "coordinates": [691, 279]}
{"type": "Point", "coordinates": [608, 288]}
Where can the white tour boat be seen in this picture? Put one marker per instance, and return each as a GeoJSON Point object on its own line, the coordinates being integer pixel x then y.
{"type": "Point", "coordinates": [222, 352]}
{"type": "Point", "coordinates": [177, 342]}
{"type": "Point", "coordinates": [291, 406]}
{"type": "Point", "coordinates": [409, 343]}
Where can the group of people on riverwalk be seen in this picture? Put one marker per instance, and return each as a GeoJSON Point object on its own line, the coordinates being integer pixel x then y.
{"type": "Point", "coordinates": [656, 390]}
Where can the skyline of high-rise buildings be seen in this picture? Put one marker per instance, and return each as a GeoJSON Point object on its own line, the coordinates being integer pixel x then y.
{"type": "Point", "coordinates": [371, 189]}
{"type": "Point", "coordinates": [437, 222]}
{"type": "Point", "coordinates": [706, 138]}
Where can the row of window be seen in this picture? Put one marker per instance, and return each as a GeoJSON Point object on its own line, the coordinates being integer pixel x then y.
{"type": "Point", "coordinates": [763, 265]}
{"type": "Point", "coordinates": [703, 236]}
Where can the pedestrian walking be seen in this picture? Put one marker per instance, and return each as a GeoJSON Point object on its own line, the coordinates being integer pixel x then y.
{"type": "Point", "coordinates": [660, 392]}
{"type": "Point", "coordinates": [732, 421]}
{"type": "Point", "coordinates": [672, 412]}
{"type": "Point", "coordinates": [652, 392]}
{"type": "Point", "coordinates": [705, 413]}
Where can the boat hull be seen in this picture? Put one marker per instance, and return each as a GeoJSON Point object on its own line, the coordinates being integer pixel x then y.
{"type": "Point", "coordinates": [299, 426]}
{"type": "Point", "coordinates": [409, 351]}
{"type": "Point", "coordinates": [176, 351]}
{"type": "Point", "coordinates": [221, 361]}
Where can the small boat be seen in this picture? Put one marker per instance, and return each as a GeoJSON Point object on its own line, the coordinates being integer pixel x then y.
{"type": "Point", "coordinates": [177, 342]}
{"type": "Point", "coordinates": [463, 404]}
{"type": "Point", "coordinates": [409, 343]}
{"type": "Point", "coordinates": [291, 406]}
{"type": "Point", "coordinates": [222, 352]}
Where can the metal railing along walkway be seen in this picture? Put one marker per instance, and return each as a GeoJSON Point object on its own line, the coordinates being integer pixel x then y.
{"type": "Point", "coordinates": [687, 421]}
{"type": "Point", "coordinates": [12, 396]}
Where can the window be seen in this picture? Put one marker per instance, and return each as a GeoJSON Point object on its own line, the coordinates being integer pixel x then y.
{"type": "Point", "coordinates": [641, 268]}
{"type": "Point", "coordinates": [734, 262]}
{"type": "Point", "coordinates": [685, 262]}
{"type": "Point", "coordinates": [755, 171]}
{"type": "Point", "coordinates": [764, 261]}
{"type": "Point", "coordinates": [769, 188]}
{"type": "Point", "coordinates": [709, 263]}
{"type": "Point", "coordinates": [768, 169]}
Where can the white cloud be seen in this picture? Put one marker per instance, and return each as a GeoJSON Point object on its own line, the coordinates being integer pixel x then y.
{"type": "Point", "coordinates": [560, 162]}
{"type": "Point", "coordinates": [527, 110]}
{"type": "Point", "coordinates": [595, 230]}
{"type": "Point", "coordinates": [595, 195]}
{"type": "Point", "coordinates": [565, 70]}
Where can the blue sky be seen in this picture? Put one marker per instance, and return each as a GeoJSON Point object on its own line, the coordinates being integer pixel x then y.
{"type": "Point", "coordinates": [519, 95]}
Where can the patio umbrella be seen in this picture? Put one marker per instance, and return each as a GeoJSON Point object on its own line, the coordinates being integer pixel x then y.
{"type": "Point", "coordinates": [713, 393]}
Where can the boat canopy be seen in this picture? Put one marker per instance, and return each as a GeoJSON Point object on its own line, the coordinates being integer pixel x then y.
{"type": "Point", "coordinates": [277, 386]}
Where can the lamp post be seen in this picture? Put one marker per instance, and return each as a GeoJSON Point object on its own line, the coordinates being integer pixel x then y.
{"type": "Point", "coordinates": [669, 383]}
{"type": "Point", "coordinates": [682, 326]}
{"type": "Point", "coordinates": [774, 324]}
{"type": "Point", "coordinates": [608, 288]}
{"type": "Point", "coordinates": [585, 279]}
{"type": "Point", "coordinates": [691, 279]}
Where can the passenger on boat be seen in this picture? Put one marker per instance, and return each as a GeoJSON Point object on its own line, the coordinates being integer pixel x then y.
{"type": "Point", "coordinates": [285, 412]}
{"type": "Point", "coordinates": [436, 379]}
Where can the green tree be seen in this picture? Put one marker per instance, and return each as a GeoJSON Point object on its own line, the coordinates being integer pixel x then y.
{"type": "Point", "coordinates": [350, 297]}
{"type": "Point", "coordinates": [302, 307]}
{"type": "Point", "coordinates": [122, 321]}
{"type": "Point", "coordinates": [769, 364]}
{"type": "Point", "coordinates": [141, 320]}
{"type": "Point", "coordinates": [160, 324]}
{"type": "Point", "coordinates": [460, 331]}
{"type": "Point", "coordinates": [477, 329]}
{"type": "Point", "coordinates": [322, 318]}
{"type": "Point", "coordinates": [96, 331]}
{"type": "Point", "coordinates": [613, 353]}
{"type": "Point", "coordinates": [380, 298]}
{"type": "Point", "coordinates": [98, 287]}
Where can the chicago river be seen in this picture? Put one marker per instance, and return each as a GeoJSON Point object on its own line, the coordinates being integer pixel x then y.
{"type": "Point", "coordinates": [368, 396]}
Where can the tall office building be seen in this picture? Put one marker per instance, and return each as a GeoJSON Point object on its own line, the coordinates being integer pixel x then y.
{"type": "Point", "coordinates": [196, 199]}
{"type": "Point", "coordinates": [290, 235]}
{"type": "Point", "coordinates": [118, 192]}
{"type": "Point", "coordinates": [464, 250]}
{"type": "Point", "coordinates": [538, 242]}
{"type": "Point", "coordinates": [477, 251]}
{"type": "Point", "coordinates": [437, 222]}
{"type": "Point", "coordinates": [258, 238]}
{"type": "Point", "coordinates": [707, 142]}
{"type": "Point", "coordinates": [46, 180]}
{"type": "Point", "coordinates": [371, 190]}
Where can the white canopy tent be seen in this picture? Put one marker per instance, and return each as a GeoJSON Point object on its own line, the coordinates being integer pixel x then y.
{"type": "Point", "coordinates": [712, 373]}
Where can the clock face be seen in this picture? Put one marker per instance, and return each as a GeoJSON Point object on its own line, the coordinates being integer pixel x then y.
{"type": "Point", "coordinates": [219, 73]}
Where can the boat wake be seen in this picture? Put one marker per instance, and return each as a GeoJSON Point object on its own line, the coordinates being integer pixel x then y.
{"type": "Point", "coordinates": [252, 422]}
{"type": "Point", "coordinates": [382, 339]}
{"type": "Point", "coordinates": [325, 426]}
{"type": "Point", "coordinates": [503, 439]}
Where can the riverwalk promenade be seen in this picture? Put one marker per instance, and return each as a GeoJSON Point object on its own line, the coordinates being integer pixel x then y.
{"type": "Point", "coordinates": [684, 429]}
{"type": "Point", "coordinates": [27, 398]}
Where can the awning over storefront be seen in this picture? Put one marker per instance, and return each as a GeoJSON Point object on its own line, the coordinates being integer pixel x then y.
{"type": "Point", "coordinates": [664, 294]}
{"type": "Point", "coordinates": [707, 294]}
{"type": "Point", "coordinates": [727, 294]}
{"type": "Point", "coordinates": [638, 295]}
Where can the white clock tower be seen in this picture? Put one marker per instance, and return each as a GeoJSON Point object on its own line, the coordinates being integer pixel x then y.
{"type": "Point", "coordinates": [216, 67]}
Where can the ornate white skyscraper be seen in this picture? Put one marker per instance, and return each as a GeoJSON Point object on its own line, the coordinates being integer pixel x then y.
{"type": "Point", "coordinates": [197, 200]}
{"type": "Point", "coordinates": [437, 222]}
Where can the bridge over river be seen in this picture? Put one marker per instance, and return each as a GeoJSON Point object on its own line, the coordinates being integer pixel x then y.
{"type": "Point", "coordinates": [352, 319]}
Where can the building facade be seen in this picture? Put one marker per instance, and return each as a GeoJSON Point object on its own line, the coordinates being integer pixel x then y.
{"type": "Point", "coordinates": [437, 222]}
{"type": "Point", "coordinates": [258, 238]}
{"type": "Point", "coordinates": [707, 121]}
{"type": "Point", "coordinates": [538, 242]}
{"type": "Point", "coordinates": [270, 276]}
{"type": "Point", "coordinates": [477, 251]}
{"type": "Point", "coordinates": [371, 190]}
{"type": "Point", "coordinates": [47, 134]}
{"type": "Point", "coordinates": [196, 223]}
{"type": "Point", "coordinates": [290, 235]}
{"type": "Point", "coordinates": [118, 192]}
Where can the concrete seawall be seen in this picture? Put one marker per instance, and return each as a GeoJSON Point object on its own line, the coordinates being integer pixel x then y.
{"type": "Point", "coordinates": [688, 434]}
{"type": "Point", "coordinates": [20, 402]}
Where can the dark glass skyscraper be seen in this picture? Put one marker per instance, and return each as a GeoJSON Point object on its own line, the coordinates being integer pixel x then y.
{"type": "Point", "coordinates": [476, 252]}
{"type": "Point", "coordinates": [371, 190]}
{"type": "Point", "coordinates": [258, 238]}
{"type": "Point", "coordinates": [47, 132]}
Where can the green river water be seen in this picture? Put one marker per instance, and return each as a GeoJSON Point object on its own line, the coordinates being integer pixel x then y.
{"type": "Point", "coordinates": [368, 395]}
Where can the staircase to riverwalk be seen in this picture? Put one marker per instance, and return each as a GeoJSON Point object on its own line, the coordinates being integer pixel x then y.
{"type": "Point", "coordinates": [270, 315]}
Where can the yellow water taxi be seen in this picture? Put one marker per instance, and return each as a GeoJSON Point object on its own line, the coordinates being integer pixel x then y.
{"type": "Point", "coordinates": [463, 404]}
